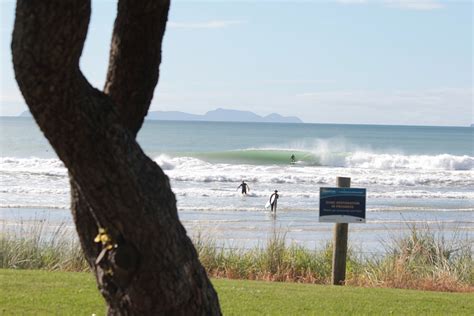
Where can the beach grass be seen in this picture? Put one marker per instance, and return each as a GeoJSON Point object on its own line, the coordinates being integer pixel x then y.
{"type": "Point", "coordinates": [33, 247]}
{"type": "Point", "coordinates": [35, 292]}
{"type": "Point", "coordinates": [421, 259]}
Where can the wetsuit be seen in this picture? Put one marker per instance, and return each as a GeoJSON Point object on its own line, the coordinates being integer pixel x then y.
{"type": "Point", "coordinates": [274, 204]}
{"type": "Point", "coordinates": [244, 187]}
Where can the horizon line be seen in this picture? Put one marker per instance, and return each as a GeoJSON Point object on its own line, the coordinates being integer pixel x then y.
{"type": "Point", "coordinates": [307, 123]}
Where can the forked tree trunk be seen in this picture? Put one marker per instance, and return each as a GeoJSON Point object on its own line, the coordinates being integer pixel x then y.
{"type": "Point", "coordinates": [143, 261]}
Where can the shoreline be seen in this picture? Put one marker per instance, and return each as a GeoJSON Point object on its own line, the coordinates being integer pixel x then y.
{"type": "Point", "coordinates": [247, 230]}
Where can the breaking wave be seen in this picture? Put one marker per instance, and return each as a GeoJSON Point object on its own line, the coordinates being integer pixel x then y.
{"type": "Point", "coordinates": [397, 161]}
{"type": "Point", "coordinates": [357, 159]}
{"type": "Point", "coordinates": [43, 183]}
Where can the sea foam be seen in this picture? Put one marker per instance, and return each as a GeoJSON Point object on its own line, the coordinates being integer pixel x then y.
{"type": "Point", "coordinates": [189, 169]}
{"type": "Point", "coordinates": [398, 161]}
{"type": "Point", "coordinates": [34, 182]}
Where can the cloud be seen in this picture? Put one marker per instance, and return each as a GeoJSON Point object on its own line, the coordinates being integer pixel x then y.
{"type": "Point", "coordinates": [443, 106]}
{"type": "Point", "coordinates": [422, 5]}
{"type": "Point", "coordinates": [430, 97]}
{"type": "Point", "coordinates": [447, 106]}
{"type": "Point", "coordinates": [216, 24]}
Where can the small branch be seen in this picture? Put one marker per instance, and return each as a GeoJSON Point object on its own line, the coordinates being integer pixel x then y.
{"type": "Point", "coordinates": [135, 56]}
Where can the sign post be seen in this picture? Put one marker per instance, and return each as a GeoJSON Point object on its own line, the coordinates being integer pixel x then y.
{"type": "Point", "coordinates": [341, 205]}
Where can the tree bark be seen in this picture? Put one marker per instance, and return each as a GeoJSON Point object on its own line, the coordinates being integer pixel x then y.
{"type": "Point", "coordinates": [143, 261]}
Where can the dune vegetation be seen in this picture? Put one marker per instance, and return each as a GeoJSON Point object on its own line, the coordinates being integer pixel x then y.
{"type": "Point", "coordinates": [421, 259]}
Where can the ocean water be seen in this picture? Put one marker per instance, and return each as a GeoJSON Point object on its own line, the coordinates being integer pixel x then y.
{"type": "Point", "coordinates": [414, 175]}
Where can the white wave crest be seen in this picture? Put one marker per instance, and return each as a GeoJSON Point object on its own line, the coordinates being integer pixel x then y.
{"type": "Point", "coordinates": [36, 206]}
{"type": "Point", "coordinates": [34, 190]}
{"type": "Point", "coordinates": [164, 162]}
{"type": "Point", "coordinates": [189, 169]}
{"type": "Point", "coordinates": [398, 161]}
{"type": "Point", "coordinates": [33, 165]}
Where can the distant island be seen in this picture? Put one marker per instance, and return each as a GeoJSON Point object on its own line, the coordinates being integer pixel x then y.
{"type": "Point", "coordinates": [222, 115]}
{"type": "Point", "coordinates": [217, 115]}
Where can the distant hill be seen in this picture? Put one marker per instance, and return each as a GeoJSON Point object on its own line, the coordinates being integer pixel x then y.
{"type": "Point", "coordinates": [218, 115]}
{"type": "Point", "coordinates": [25, 114]}
{"type": "Point", "coordinates": [222, 115]}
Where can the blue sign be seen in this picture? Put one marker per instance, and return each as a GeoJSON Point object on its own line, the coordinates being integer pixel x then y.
{"type": "Point", "coordinates": [342, 205]}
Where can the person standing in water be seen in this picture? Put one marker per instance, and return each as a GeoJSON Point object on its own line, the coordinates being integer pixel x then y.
{"type": "Point", "coordinates": [273, 201]}
{"type": "Point", "coordinates": [293, 158]}
{"type": "Point", "coordinates": [245, 187]}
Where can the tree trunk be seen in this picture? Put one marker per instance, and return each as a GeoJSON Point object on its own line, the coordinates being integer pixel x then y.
{"type": "Point", "coordinates": [123, 207]}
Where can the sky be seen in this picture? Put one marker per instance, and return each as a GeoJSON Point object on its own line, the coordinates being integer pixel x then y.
{"type": "Point", "coordinates": [402, 62]}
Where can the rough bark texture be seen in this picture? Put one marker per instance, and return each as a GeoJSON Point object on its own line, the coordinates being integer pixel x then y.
{"type": "Point", "coordinates": [145, 264]}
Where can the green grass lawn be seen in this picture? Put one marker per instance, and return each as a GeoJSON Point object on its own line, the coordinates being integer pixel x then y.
{"type": "Point", "coordinates": [31, 292]}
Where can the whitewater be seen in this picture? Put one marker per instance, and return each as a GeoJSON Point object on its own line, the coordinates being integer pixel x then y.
{"type": "Point", "coordinates": [413, 175]}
